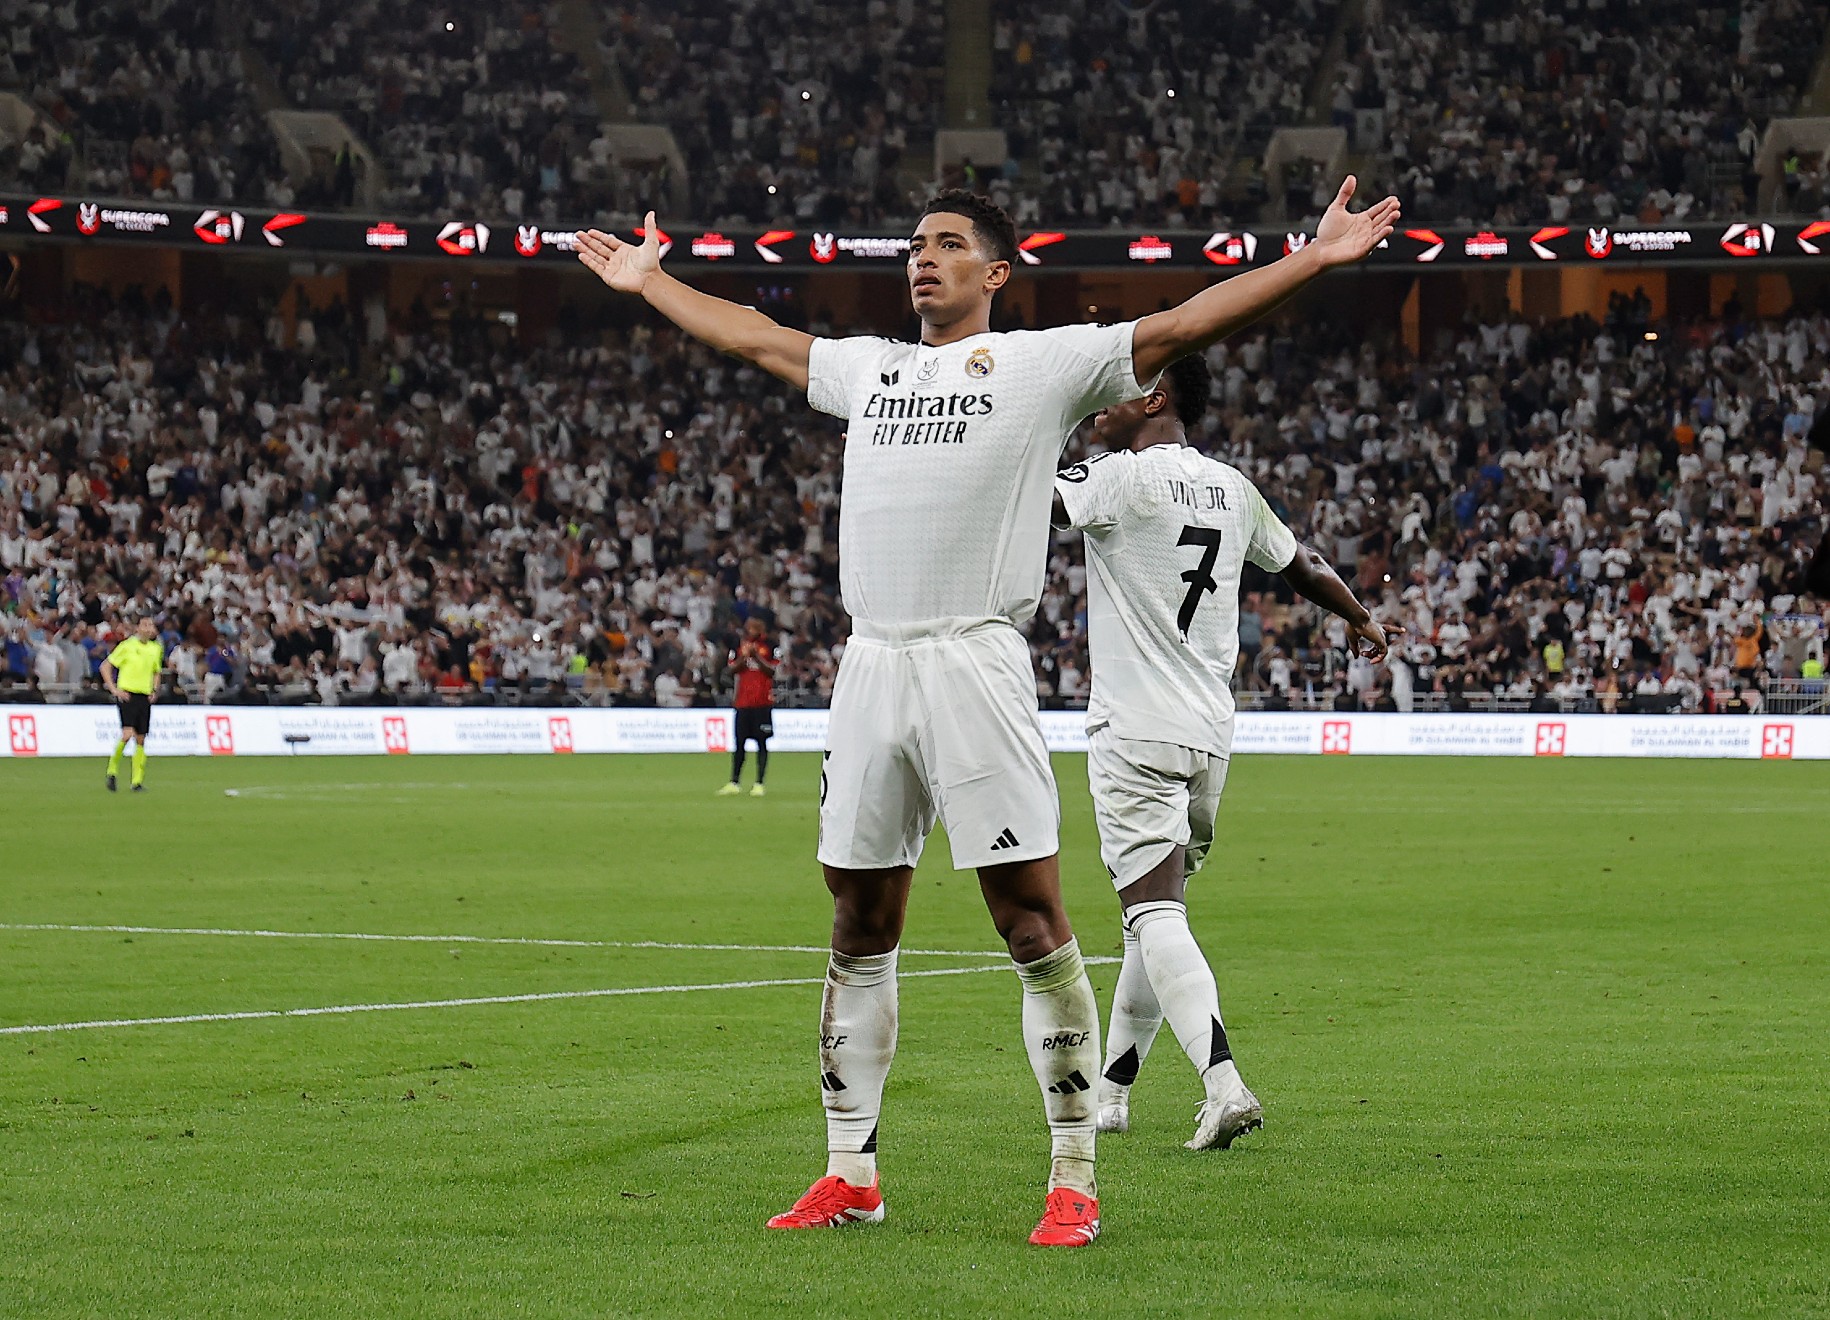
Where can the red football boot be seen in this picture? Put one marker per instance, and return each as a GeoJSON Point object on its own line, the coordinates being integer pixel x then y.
{"type": "Point", "coordinates": [832, 1203]}
{"type": "Point", "coordinates": [1071, 1220]}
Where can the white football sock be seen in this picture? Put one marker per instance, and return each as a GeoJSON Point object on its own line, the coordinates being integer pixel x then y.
{"type": "Point", "coordinates": [857, 1042]}
{"type": "Point", "coordinates": [1136, 1017]}
{"type": "Point", "coordinates": [1061, 1032]}
{"type": "Point", "coordinates": [1184, 986]}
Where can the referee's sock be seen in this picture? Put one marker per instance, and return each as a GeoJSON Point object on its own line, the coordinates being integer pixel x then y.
{"type": "Point", "coordinates": [139, 764]}
{"type": "Point", "coordinates": [114, 762]}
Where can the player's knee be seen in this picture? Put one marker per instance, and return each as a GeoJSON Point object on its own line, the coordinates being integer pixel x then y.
{"type": "Point", "coordinates": [867, 909]}
{"type": "Point", "coordinates": [862, 929]}
{"type": "Point", "coordinates": [1032, 930]}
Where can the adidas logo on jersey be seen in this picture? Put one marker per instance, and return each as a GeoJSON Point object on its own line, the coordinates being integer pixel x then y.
{"type": "Point", "coordinates": [889, 377]}
{"type": "Point", "coordinates": [1003, 841]}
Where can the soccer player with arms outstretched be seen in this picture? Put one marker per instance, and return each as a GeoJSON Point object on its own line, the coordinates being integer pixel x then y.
{"type": "Point", "coordinates": [131, 673]}
{"type": "Point", "coordinates": [1168, 532]}
{"type": "Point", "coordinates": [950, 454]}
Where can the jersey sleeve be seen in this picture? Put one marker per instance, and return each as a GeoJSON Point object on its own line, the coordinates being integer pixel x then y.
{"type": "Point", "coordinates": [1273, 545]}
{"type": "Point", "coordinates": [832, 365]}
{"type": "Point", "coordinates": [120, 653]}
{"type": "Point", "coordinates": [1096, 491]}
{"type": "Point", "coordinates": [1094, 363]}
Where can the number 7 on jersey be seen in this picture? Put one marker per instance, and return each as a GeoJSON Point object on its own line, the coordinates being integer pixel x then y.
{"type": "Point", "coordinates": [1200, 579]}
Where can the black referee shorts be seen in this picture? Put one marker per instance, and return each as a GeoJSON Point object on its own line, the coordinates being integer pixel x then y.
{"type": "Point", "coordinates": [755, 723]}
{"type": "Point", "coordinates": [136, 713]}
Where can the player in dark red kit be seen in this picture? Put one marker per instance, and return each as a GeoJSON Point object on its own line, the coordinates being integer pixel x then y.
{"type": "Point", "coordinates": [754, 661]}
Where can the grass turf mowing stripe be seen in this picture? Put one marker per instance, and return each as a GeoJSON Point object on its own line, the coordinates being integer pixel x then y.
{"type": "Point", "coordinates": [470, 1002]}
{"type": "Point", "coordinates": [473, 939]}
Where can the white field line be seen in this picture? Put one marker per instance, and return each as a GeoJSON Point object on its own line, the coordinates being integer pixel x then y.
{"type": "Point", "coordinates": [474, 939]}
{"type": "Point", "coordinates": [545, 996]}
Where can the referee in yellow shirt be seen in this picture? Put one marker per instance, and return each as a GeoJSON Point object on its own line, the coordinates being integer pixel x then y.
{"type": "Point", "coordinates": [131, 672]}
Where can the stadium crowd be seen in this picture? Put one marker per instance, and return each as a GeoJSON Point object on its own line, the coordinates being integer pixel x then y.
{"type": "Point", "coordinates": [814, 112]}
{"type": "Point", "coordinates": [1578, 512]}
{"type": "Point", "coordinates": [797, 109]}
{"type": "Point", "coordinates": [1583, 514]}
{"type": "Point", "coordinates": [143, 94]}
{"type": "Point", "coordinates": [1613, 113]}
{"type": "Point", "coordinates": [474, 111]}
{"type": "Point", "coordinates": [1122, 114]}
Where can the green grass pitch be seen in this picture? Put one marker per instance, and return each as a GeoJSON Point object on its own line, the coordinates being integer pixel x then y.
{"type": "Point", "coordinates": [1533, 1038]}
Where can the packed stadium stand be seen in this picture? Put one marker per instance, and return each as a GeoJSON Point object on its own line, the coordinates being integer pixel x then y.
{"type": "Point", "coordinates": [1136, 114]}
{"type": "Point", "coordinates": [142, 95]}
{"type": "Point", "coordinates": [809, 111]}
{"type": "Point", "coordinates": [801, 110]}
{"type": "Point", "coordinates": [471, 109]}
{"type": "Point", "coordinates": [1607, 113]}
{"type": "Point", "coordinates": [1580, 513]}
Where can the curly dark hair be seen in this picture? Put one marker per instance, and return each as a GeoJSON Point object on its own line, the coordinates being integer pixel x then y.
{"type": "Point", "coordinates": [1189, 382]}
{"type": "Point", "coordinates": [993, 226]}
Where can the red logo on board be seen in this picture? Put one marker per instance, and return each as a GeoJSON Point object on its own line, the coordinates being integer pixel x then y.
{"type": "Point", "coordinates": [22, 734]}
{"type": "Point", "coordinates": [219, 732]}
{"type": "Point", "coordinates": [394, 735]}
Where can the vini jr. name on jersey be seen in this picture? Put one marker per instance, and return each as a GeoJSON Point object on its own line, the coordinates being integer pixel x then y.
{"type": "Point", "coordinates": [1197, 497]}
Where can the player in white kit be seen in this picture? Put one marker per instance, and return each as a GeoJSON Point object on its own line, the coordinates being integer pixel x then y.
{"type": "Point", "coordinates": [1168, 532]}
{"type": "Point", "coordinates": [950, 455]}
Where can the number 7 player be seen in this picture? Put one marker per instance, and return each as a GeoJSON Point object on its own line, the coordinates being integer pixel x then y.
{"type": "Point", "coordinates": [950, 454]}
{"type": "Point", "coordinates": [1168, 531]}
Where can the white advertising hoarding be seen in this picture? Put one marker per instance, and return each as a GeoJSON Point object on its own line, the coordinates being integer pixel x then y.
{"type": "Point", "coordinates": [418, 731]}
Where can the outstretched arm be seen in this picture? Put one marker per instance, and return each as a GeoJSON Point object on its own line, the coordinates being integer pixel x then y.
{"type": "Point", "coordinates": [726, 326]}
{"type": "Point", "coordinates": [1342, 238]}
{"type": "Point", "coordinates": [1314, 579]}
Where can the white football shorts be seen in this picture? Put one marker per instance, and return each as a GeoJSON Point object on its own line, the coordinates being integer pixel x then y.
{"type": "Point", "coordinates": [936, 720]}
{"type": "Point", "coordinates": [1150, 798]}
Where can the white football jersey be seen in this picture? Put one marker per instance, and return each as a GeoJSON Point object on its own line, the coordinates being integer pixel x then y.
{"type": "Point", "coordinates": [950, 457]}
{"type": "Point", "coordinates": [1168, 531]}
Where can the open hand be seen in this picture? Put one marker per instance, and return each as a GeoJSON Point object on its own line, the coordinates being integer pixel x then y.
{"type": "Point", "coordinates": [1372, 639]}
{"type": "Point", "coordinates": [1345, 237]}
{"type": "Point", "coordinates": [625, 267]}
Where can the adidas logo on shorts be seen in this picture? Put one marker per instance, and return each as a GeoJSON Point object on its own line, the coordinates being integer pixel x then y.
{"type": "Point", "coordinates": [1003, 841]}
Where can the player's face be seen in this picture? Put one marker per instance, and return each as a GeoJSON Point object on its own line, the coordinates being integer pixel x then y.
{"type": "Point", "coordinates": [950, 274]}
{"type": "Point", "coordinates": [147, 630]}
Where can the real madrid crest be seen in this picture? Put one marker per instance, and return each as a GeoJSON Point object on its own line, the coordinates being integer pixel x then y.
{"type": "Point", "coordinates": [979, 365]}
